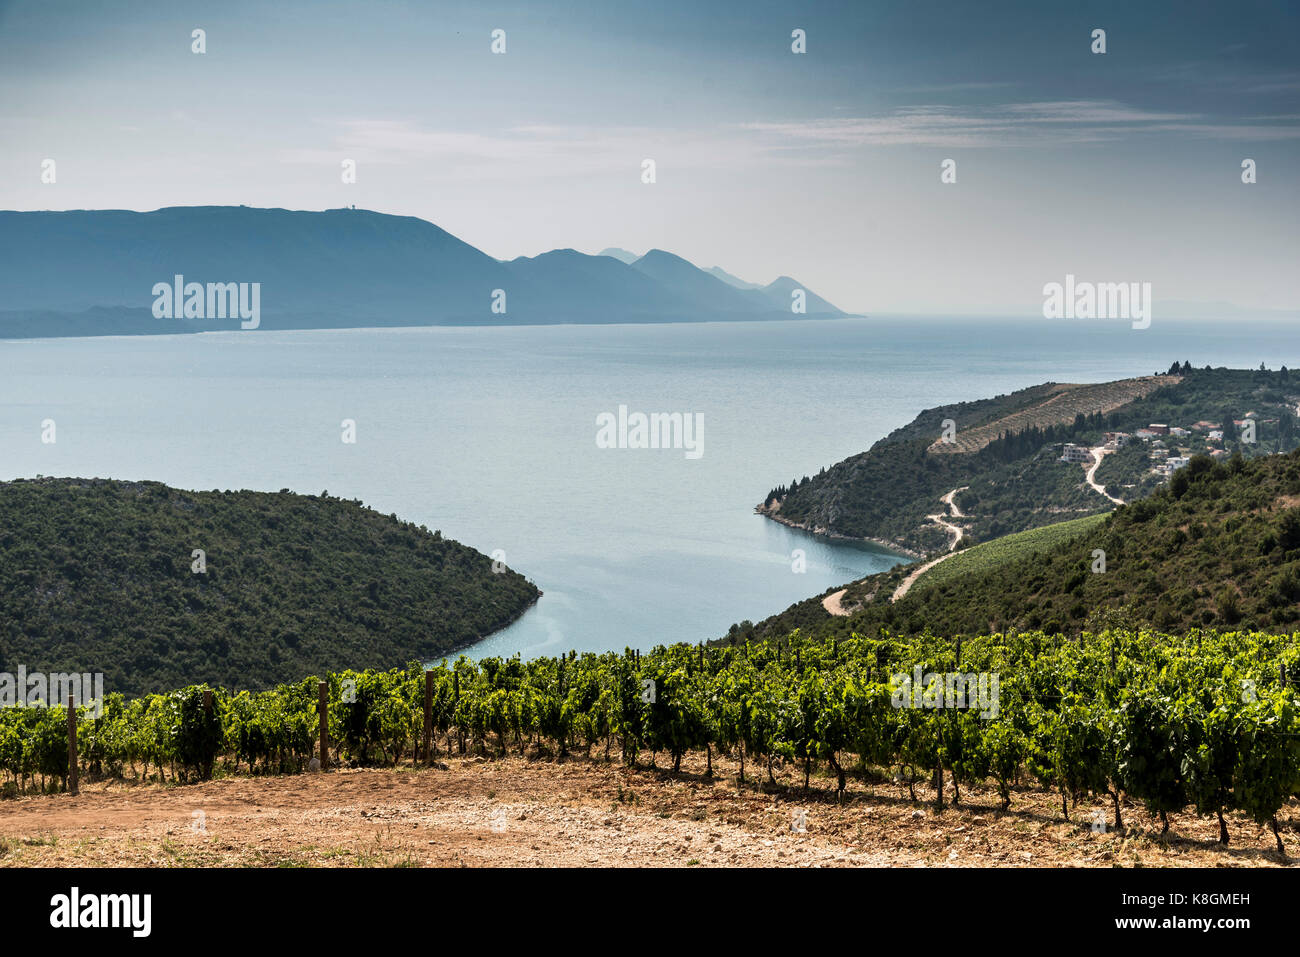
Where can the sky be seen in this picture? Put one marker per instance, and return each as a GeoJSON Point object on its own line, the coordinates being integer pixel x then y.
{"type": "Point", "coordinates": [823, 165]}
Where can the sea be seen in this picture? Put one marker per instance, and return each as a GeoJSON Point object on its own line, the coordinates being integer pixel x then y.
{"type": "Point", "coordinates": [490, 435]}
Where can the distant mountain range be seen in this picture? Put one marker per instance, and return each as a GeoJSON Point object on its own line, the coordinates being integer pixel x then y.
{"type": "Point", "coordinates": [622, 255]}
{"type": "Point", "coordinates": [93, 272]}
{"type": "Point", "coordinates": [730, 279]}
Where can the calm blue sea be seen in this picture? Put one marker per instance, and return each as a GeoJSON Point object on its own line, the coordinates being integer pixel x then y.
{"type": "Point", "coordinates": [489, 435]}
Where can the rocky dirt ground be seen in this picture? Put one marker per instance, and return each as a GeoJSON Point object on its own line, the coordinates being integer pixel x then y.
{"type": "Point", "coordinates": [542, 813]}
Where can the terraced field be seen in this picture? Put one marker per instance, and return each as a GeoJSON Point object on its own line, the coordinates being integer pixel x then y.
{"type": "Point", "coordinates": [1060, 408]}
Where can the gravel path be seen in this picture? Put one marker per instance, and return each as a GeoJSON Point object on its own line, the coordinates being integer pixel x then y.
{"type": "Point", "coordinates": [955, 533]}
{"type": "Point", "coordinates": [1097, 455]}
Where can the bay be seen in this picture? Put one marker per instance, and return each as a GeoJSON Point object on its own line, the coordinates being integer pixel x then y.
{"type": "Point", "coordinates": [489, 435]}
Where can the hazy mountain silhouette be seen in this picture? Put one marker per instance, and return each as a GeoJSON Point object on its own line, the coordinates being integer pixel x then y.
{"type": "Point", "coordinates": [622, 255]}
{"type": "Point", "coordinates": [714, 294]}
{"type": "Point", "coordinates": [731, 280]}
{"type": "Point", "coordinates": [581, 288]}
{"type": "Point", "coordinates": [91, 272]}
{"type": "Point", "coordinates": [778, 293]}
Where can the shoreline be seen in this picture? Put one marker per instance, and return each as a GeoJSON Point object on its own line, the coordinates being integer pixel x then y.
{"type": "Point", "coordinates": [455, 323]}
{"type": "Point", "coordinates": [895, 547]}
{"type": "Point", "coordinates": [451, 656]}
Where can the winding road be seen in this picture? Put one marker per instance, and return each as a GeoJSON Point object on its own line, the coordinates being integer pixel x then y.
{"type": "Point", "coordinates": [1098, 454]}
{"type": "Point", "coordinates": [955, 532]}
{"type": "Point", "coordinates": [834, 602]}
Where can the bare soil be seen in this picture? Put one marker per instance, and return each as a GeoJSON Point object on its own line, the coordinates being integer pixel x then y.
{"type": "Point", "coordinates": [517, 812]}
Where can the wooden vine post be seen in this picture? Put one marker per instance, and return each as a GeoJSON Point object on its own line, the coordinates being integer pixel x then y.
{"type": "Point", "coordinates": [324, 690]}
{"type": "Point", "coordinates": [460, 732]}
{"type": "Point", "coordinates": [428, 717]}
{"type": "Point", "coordinates": [72, 746]}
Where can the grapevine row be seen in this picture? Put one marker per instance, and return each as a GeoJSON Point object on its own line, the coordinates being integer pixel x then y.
{"type": "Point", "coordinates": [1208, 719]}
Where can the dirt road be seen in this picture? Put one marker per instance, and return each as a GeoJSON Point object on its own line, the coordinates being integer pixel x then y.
{"type": "Point", "coordinates": [834, 602]}
{"type": "Point", "coordinates": [1097, 455]}
{"type": "Point", "coordinates": [955, 533]}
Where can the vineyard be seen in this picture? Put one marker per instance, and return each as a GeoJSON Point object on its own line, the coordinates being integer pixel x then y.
{"type": "Point", "coordinates": [1061, 408]}
{"type": "Point", "coordinates": [993, 554]}
{"type": "Point", "coordinates": [1207, 720]}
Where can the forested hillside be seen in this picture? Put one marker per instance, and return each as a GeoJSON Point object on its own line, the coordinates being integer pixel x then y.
{"type": "Point", "coordinates": [1218, 546]}
{"type": "Point", "coordinates": [99, 576]}
{"type": "Point", "coordinates": [1006, 453]}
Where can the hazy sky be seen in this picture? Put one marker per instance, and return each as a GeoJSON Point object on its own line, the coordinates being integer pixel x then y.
{"type": "Point", "coordinates": [823, 166]}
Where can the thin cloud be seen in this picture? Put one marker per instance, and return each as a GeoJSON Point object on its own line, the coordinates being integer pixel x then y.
{"type": "Point", "coordinates": [542, 151]}
{"type": "Point", "coordinates": [1088, 111]}
{"type": "Point", "coordinates": [536, 150]}
{"type": "Point", "coordinates": [1044, 123]}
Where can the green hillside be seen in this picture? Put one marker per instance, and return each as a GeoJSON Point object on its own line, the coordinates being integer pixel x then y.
{"type": "Point", "coordinates": [1218, 546]}
{"type": "Point", "coordinates": [1007, 452]}
{"type": "Point", "coordinates": [1000, 551]}
{"type": "Point", "coordinates": [97, 576]}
